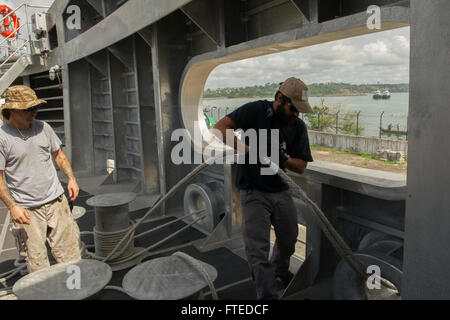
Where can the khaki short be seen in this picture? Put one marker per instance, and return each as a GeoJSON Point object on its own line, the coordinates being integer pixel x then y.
{"type": "Point", "coordinates": [52, 223]}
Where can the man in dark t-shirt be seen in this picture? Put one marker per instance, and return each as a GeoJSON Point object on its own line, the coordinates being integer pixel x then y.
{"type": "Point", "coordinates": [265, 198]}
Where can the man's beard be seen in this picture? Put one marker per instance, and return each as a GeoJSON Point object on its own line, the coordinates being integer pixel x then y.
{"type": "Point", "coordinates": [283, 117]}
{"type": "Point", "coordinates": [29, 123]}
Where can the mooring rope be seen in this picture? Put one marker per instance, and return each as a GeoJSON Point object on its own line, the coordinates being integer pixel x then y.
{"type": "Point", "coordinates": [333, 236]}
{"type": "Point", "coordinates": [339, 244]}
{"type": "Point", "coordinates": [169, 194]}
{"type": "Point", "coordinates": [198, 266]}
{"type": "Point", "coordinates": [105, 242]}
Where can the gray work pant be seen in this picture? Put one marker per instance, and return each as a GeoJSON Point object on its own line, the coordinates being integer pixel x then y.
{"type": "Point", "coordinates": [260, 210]}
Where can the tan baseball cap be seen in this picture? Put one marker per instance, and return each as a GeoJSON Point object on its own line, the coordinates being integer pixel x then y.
{"type": "Point", "coordinates": [296, 90]}
{"type": "Point", "coordinates": [20, 98]}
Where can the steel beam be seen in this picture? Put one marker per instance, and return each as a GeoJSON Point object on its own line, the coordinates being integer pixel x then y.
{"type": "Point", "coordinates": [309, 8]}
{"type": "Point", "coordinates": [125, 21]}
{"type": "Point", "coordinates": [139, 119]}
{"type": "Point", "coordinates": [146, 98]}
{"type": "Point", "coordinates": [122, 51]}
{"type": "Point", "coordinates": [427, 257]}
{"type": "Point", "coordinates": [58, 20]}
{"type": "Point", "coordinates": [56, 10]}
{"type": "Point", "coordinates": [77, 116]}
{"type": "Point", "coordinates": [110, 5]}
{"type": "Point", "coordinates": [101, 97]}
{"type": "Point", "coordinates": [97, 60]}
{"type": "Point", "coordinates": [147, 35]}
{"type": "Point", "coordinates": [160, 141]}
{"type": "Point", "coordinates": [116, 69]}
{"type": "Point", "coordinates": [126, 106]}
{"type": "Point", "coordinates": [172, 58]}
{"type": "Point", "coordinates": [266, 6]}
{"type": "Point", "coordinates": [204, 13]}
{"type": "Point", "coordinates": [98, 5]}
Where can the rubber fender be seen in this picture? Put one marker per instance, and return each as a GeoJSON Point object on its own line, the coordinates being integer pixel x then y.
{"type": "Point", "coordinates": [375, 236]}
{"type": "Point", "coordinates": [348, 285]}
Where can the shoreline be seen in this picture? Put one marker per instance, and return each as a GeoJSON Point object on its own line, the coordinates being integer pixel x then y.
{"type": "Point", "coordinates": [327, 96]}
{"type": "Point", "coordinates": [257, 97]}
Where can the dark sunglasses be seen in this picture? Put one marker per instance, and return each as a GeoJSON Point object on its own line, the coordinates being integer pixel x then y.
{"type": "Point", "coordinates": [32, 109]}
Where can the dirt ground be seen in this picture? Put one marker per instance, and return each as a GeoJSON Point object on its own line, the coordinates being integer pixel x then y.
{"type": "Point", "coordinates": [359, 161]}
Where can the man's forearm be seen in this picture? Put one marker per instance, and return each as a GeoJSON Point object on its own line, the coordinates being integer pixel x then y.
{"type": "Point", "coordinates": [5, 195]}
{"type": "Point", "coordinates": [230, 139]}
{"type": "Point", "coordinates": [296, 165]}
{"type": "Point", "coordinates": [64, 165]}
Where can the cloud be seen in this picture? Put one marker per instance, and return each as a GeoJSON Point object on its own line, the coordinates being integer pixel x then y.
{"type": "Point", "coordinates": [380, 57]}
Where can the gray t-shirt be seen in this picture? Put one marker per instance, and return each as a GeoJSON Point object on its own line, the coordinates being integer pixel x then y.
{"type": "Point", "coordinates": [29, 171]}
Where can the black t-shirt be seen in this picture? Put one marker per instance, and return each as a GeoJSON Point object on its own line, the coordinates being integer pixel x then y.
{"type": "Point", "coordinates": [260, 115]}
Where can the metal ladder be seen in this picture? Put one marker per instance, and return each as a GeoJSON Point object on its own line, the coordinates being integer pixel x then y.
{"type": "Point", "coordinates": [16, 51]}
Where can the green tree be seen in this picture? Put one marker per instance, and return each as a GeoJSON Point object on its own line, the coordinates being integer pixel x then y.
{"type": "Point", "coordinates": [320, 119]}
{"type": "Point", "coordinates": [324, 119]}
{"type": "Point", "coordinates": [315, 89]}
{"type": "Point", "coordinates": [349, 123]}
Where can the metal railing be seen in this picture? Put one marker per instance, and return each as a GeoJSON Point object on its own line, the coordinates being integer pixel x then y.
{"type": "Point", "coordinates": [26, 5]}
{"type": "Point", "coordinates": [350, 123]}
{"type": "Point", "coordinates": [216, 112]}
{"type": "Point", "coordinates": [12, 55]}
{"type": "Point", "coordinates": [9, 47]}
{"type": "Point", "coordinates": [340, 122]}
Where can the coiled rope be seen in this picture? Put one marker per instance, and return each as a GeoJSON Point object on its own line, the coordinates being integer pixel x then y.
{"type": "Point", "coordinates": [197, 265]}
{"type": "Point", "coordinates": [112, 239]}
{"type": "Point", "coordinates": [105, 242]}
{"type": "Point", "coordinates": [336, 240]}
{"type": "Point", "coordinates": [118, 248]}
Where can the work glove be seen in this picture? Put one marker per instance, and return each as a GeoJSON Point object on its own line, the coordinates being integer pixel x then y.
{"type": "Point", "coordinates": [284, 156]}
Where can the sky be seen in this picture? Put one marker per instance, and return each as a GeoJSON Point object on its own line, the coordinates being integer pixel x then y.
{"type": "Point", "coordinates": [379, 57]}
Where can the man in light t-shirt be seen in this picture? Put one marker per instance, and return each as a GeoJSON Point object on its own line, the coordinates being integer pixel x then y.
{"type": "Point", "coordinates": [29, 185]}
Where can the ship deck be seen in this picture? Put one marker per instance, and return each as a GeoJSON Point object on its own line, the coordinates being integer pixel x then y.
{"type": "Point", "coordinates": [232, 283]}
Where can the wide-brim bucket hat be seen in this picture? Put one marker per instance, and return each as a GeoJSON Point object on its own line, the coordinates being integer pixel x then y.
{"type": "Point", "coordinates": [20, 98]}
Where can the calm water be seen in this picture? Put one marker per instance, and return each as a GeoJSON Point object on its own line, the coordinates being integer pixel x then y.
{"type": "Point", "coordinates": [395, 109]}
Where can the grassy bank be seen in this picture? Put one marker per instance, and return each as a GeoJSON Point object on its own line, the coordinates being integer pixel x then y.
{"type": "Point", "coordinates": [359, 159]}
